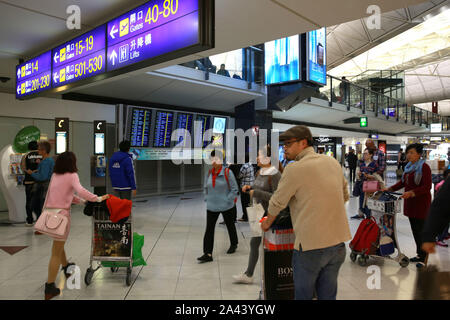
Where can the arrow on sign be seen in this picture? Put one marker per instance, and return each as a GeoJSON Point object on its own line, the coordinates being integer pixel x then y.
{"type": "Point", "coordinates": [56, 57]}
{"type": "Point", "coordinates": [113, 32]}
{"type": "Point", "coordinates": [18, 89]}
{"type": "Point", "coordinates": [55, 77]}
{"type": "Point", "coordinates": [18, 73]}
{"type": "Point", "coordinates": [113, 57]}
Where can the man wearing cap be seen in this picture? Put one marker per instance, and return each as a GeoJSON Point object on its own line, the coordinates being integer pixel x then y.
{"type": "Point", "coordinates": [316, 190]}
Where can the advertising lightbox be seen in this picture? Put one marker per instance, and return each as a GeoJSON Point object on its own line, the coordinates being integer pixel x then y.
{"type": "Point", "coordinates": [282, 60]}
{"type": "Point", "coordinates": [316, 70]}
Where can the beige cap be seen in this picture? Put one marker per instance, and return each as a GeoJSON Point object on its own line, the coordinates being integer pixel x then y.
{"type": "Point", "coordinates": [297, 132]}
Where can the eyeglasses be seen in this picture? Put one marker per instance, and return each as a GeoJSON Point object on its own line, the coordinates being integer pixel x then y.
{"type": "Point", "coordinates": [289, 143]}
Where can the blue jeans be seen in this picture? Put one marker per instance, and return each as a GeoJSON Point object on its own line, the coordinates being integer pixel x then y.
{"type": "Point", "coordinates": [317, 270]}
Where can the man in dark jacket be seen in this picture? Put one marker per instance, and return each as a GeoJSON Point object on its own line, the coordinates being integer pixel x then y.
{"type": "Point", "coordinates": [121, 172]}
{"type": "Point", "coordinates": [30, 161]}
{"type": "Point", "coordinates": [438, 218]}
{"type": "Point", "coordinates": [352, 164]}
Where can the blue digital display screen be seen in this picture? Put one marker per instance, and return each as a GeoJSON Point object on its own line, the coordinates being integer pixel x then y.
{"type": "Point", "coordinates": [282, 60]}
{"type": "Point", "coordinates": [163, 129]}
{"type": "Point", "coordinates": [220, 124]}
{"type": "Point", "coordinates": [184, 121]}
{"type": "Point", "coordinates": [317, 56]}
{"type": "Point", "coordinates": [205, 123]}
{"type": "Point", "coordinates": [140, 127]}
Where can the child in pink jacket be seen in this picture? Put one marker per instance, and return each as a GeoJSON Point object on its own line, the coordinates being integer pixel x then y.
{"type": "Point", "coordinates": [64, 189]}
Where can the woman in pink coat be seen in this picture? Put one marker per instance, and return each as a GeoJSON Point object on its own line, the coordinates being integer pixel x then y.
{"type": "Point", "coordinates": [64, 189]}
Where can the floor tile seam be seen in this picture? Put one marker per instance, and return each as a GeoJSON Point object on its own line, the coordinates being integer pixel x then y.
{"type": "Point", "coordinates": [154, 246]}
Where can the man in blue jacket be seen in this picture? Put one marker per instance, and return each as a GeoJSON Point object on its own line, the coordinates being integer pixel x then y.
{"type": "Point", "coordinates": [121, 172]}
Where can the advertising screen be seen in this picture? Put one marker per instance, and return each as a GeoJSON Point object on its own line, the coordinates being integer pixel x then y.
{"type": "Point", "coordinates": [151, 30]}
{"type": "Point", "coordinates": [140, 127]}
{"type": "Point", "coordinates": [34, 75]}
{"type": "Point", "coordinates": [204, 123]}
{"type": "Point", "coordinates": [184, 121]}
{"type": "Point", "coordinates": [61, 142]}
{"type": "Point", "coordinates": [80, 58]}
{"type": "Point", "coordinates": [282, 60]}
{"type": "Point", "coordinates": [99, 143]}
{"type": "Point", "coordinates": [163, 129]}
{"type": "Point", "coordinates": [220, 124]}
{"type": "Point", "coordinates": [317, 56]}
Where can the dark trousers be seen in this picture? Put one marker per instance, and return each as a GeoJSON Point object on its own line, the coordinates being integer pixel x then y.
{"type": "Point", "coordinates": [245, 201]}
{"type": "Point", "coordinates": [417, 228]}
{"type": "Point", "coordinates": [352, 174]}
{"type": "Point", "coordinates": [28, 203]}
{"type": "Point", "coordinates": [234, 213]}
{"type": "Point", "coordinates": [211, 219]}
{"type": "Point", "coordinates": [123, 194]}
{"type": "Point", "coordinates": [39, 192]}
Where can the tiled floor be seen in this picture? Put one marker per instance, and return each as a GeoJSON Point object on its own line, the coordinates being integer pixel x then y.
{"type": "Point", "coordinates": [173, 230]}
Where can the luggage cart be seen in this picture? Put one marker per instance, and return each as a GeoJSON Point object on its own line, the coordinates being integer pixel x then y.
{"type": "Point", "coordinates": [111, 242]}
{"type": "Point", "coordinates": [277, 281]}
{"type": "Point", "coordinates": [384, 206]}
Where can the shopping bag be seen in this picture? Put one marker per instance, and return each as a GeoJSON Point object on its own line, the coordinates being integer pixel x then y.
{"type": "Point", "coordinates": [432, 284]}
{"type": "Point", "coordinates": [138, 259]}
{"type": "Point", "coordinates": [255, 214]}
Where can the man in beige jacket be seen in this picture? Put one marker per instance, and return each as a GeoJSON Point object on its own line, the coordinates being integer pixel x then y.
{"type": "Point", "coordinates": [316, 190]}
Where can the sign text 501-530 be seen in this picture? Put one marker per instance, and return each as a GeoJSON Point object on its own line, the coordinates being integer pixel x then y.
{"type": "Point", "coordinates": [79, 70]}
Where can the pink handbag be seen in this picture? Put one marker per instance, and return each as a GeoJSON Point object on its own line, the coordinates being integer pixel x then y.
{"type": "Point", "coordinates": [51, 223]}
{"type": "Point", "coordinates": [371, 186]}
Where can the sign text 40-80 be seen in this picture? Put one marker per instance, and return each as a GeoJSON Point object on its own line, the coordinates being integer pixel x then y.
{"type": "Point", "coordinates": [153, 13]}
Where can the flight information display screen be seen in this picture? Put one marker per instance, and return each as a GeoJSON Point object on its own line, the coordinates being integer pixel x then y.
{"type": "Point", "coordinates": [163, 129]}
{"type": "Point", "coordinates": [140, 127]}
{"type": "Point", "coordinates": [204, 123]}
{"type": "Point", "coordinates": [184, 121]}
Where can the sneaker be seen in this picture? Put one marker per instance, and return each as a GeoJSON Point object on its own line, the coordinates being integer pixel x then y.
{"type": "Point", "coordinates": [420, 265]}
{"type": "Point", "coordinates": [29, 224]}
{"type": "Point", "coordinates": [442, 244]}
{"type": "Point", "coordinates": [357, 217]}
{"type": "Point", "coordinates": [416, 259]}
{"type": "Point", "coordinates": [205, 258]}
{"type": "Point", "coordinates": [232, 249]}
{"type": "Point", "coordinates": [243, 278]}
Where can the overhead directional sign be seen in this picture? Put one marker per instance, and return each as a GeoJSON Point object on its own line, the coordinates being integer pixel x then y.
{"type": "Point", "coordinates": [151, 30]}
{"type": "Point", "coordinates": [155, 32]}
{"type": "Point", "coordinates": [34, 75]}
{"type": "Point", "coordinates": [80, 58]}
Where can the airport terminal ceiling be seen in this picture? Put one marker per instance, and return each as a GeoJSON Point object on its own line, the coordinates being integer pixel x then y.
{"type": "Point", "coordinates": [245, 20]}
